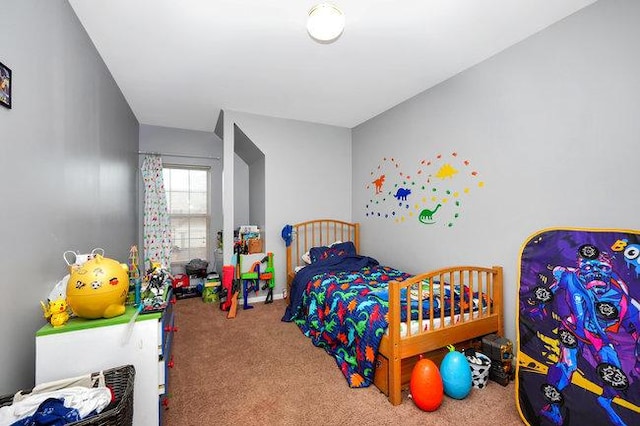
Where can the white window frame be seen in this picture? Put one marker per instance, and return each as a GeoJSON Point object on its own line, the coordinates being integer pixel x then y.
{"type": "Point", "coordinates": [206, 216]}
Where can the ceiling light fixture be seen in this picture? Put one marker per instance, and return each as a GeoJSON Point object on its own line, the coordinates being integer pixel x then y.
{"type": "Point", "coordinates": [325, 23]}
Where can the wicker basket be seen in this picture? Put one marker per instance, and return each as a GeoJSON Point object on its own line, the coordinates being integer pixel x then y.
{"type": "Point", "coordinates": [120, 411]}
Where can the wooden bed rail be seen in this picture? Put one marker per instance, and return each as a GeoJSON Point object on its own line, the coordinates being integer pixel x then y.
{"type": "Point", "coordinates": [453, 324]}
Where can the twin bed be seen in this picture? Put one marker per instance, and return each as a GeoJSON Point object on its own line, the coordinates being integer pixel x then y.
{"type": "Point", "coordinates": [376, 320]}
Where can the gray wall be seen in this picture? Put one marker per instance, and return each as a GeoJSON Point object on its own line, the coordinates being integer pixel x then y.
{"type": "Point", "coordinates": [67, 166]}
{"type": "Point", "coordinates": [257, 193]}
{"type": "Point", "coordinates": [248, 182]}
{"type": "Point", "coordinates": [551, 125]}
{"type": "Point", "coordinates": [307, 174]}
{"type": "Point", "coordinates": [192, 148]}
{"type": "Point", "coordinates": [241, 204]}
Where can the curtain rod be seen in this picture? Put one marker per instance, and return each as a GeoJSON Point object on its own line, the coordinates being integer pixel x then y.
{"type": "Point", "coordinates": [178, 155]}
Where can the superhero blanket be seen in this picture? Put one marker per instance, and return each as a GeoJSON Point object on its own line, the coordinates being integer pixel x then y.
{"type": "Point", "coordinates": [578, 357]}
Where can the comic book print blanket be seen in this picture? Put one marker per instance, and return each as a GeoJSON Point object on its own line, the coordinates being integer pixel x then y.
{"type": "Point", "coordinates": [578, 357]}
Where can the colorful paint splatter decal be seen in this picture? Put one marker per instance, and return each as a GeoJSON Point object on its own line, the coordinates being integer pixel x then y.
{"type": "Point", "coordinates": [431, 195]}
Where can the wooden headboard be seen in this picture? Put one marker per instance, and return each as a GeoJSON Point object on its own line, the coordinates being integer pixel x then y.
{"type": "Point", "coordinates": [319, 232]}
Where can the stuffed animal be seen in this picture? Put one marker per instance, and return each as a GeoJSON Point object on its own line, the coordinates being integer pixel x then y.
{"type": "Point", "coordinates": [56, 312]}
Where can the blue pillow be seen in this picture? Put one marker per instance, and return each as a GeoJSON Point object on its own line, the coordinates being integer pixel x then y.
{"type": "Point", "coordinates": [335, 250]}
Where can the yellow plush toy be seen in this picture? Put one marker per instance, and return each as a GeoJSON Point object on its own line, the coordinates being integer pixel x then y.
{"type": "Point", "coordinates": [98, 288]}
{"type": "Point", "coordinates": [56, 312]}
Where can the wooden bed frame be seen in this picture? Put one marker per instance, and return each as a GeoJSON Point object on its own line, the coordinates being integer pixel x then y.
{"type": "Point", "coordinates": [398, 351]}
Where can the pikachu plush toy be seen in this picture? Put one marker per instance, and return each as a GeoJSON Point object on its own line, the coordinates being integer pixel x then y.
{"type": "Point", "coordinates": [56, 312]}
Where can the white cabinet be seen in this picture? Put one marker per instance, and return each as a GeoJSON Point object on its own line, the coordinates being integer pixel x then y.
{"type": "Point", "coordinates": [84, 346]}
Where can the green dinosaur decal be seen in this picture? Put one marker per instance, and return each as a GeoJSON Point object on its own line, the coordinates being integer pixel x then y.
{"type": "Point", "coordinates": [426, 215]}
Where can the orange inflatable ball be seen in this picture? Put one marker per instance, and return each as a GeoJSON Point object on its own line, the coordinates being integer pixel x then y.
{"type": "Point", "coordinates": [426, 385]}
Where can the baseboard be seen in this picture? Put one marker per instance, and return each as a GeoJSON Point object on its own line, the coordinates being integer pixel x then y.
{"type": "Point", "coordinates": [261, 298]}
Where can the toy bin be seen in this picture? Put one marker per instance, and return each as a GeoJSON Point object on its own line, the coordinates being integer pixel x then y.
{"type": "Point", "coordinates": [120, 411]}
{"type": "Point", "coordinates": [211, 294]}
{"type": "Point", "coordinates": [480, 365]}
{"type": "Point", "coordinates": [211, 290]}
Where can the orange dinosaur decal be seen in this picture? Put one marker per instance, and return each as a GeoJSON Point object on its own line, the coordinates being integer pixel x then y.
{"type": "Point", "coordinates": [378, 183]}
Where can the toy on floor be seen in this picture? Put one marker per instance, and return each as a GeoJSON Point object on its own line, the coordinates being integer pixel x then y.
{"type": "Point", "coordinates": [233, 308]}
{"type": "Point", "coordinates": [456, 374]}
{"type": "Point", "coordinates": [426, 385]}
{"type": "Point", "coordinates": [56, 312]}
{"type": "Point", "coordinates": [185, 286]}
{"type": "Point", "coordinates": [268, 276]}
{"type": "Point", "coordinates": [251, 279]}
{"type": "Point", "coordinates": [250, 283]}
{"type": "Point", "coordinates": [230, 290]}
{"type": "Point", "coordinates": [500, 351]}
{"type": "Point", "coordinates": [98, 288]}
{"type": "Point", "coordinates": [211, 290]}
{"type": "Point", "coordinates": [480, 366]}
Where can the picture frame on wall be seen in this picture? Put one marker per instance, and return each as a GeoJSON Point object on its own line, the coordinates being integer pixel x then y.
{"type": "Point", "coordinates": [5, 86]}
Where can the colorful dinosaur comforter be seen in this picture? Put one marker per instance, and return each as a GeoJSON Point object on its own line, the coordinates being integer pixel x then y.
{"type": "Point", "coordinates": [335, 304]}
{"type": "Point", "coordinates": [341, 302]}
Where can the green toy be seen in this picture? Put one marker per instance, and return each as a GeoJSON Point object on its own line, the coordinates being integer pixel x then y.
{"type": "Point", "coordinates": [254, 275]}
{"type": "Point", "coordinates": [268, 276]}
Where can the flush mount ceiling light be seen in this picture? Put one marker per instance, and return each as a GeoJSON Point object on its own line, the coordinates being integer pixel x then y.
{"type": "Point", "coordinates": [326, 22]}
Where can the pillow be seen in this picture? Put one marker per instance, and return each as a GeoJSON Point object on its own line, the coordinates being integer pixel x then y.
{"type": "Point", "coordinates": [334, 250]}
{"type": "Point", "coordinates": [306, 258]}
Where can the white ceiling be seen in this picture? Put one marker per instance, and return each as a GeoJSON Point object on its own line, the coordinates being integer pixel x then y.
{"type": "Point", "coordinates": [178, 62]}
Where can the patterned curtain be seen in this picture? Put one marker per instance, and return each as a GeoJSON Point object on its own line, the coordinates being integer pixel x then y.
{"type": "Point", "coordinates": [157, 224]}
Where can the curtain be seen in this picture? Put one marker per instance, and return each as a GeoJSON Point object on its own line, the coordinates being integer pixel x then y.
{"type": "Point", "coordinates": [157, 223]}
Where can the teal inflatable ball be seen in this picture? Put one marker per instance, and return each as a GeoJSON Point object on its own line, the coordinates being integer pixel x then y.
{"type": "Point", "coordinates": [456, 374]}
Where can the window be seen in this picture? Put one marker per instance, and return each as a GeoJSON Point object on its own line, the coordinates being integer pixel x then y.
{"type": "Point", "coordinates": [187, 191]}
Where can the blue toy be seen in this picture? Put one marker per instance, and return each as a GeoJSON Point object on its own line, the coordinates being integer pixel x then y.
{"type": "Point", "coordinates": [456, 374]}
{"type": "Point", "coordinates": [250, 282]}
{"type": "Point", "coordinates": [268, 276]}
{"type": "Point", "coordinates": [248, 285]}
{"type": "Point", "coordinates": [287, 234]}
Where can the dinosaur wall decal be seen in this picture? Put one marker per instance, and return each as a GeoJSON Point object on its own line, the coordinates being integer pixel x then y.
{"type": "Point", "coordinates": [440, 178]}
{"type": "Point", "coordinates": [378, 183]}
{"type": "Point", "coordinates": [426, 215]}
{"type": "Point", "coordinates": [402, 193]}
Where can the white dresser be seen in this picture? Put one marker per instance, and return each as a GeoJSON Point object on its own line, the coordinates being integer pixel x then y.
{"type": "Point", "coordinates": [84, 346]}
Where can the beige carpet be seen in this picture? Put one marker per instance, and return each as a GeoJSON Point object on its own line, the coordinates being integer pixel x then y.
{"type": "Point", "coordinates": [257, 370]}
